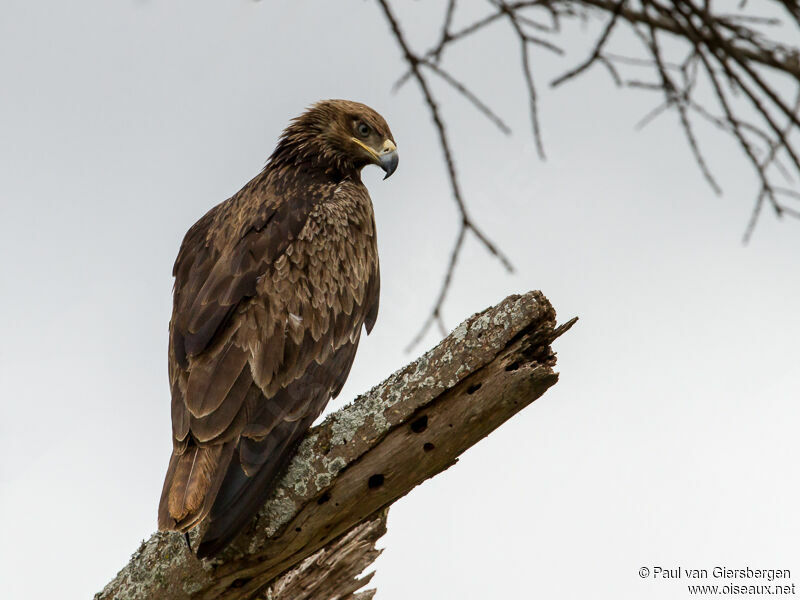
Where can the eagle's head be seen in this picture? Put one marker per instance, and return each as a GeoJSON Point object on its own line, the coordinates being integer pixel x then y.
{"type": "Point", "coordinates": [340, 135]}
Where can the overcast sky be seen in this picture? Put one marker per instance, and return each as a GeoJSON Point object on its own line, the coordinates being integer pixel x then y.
{"type": "Point", "coordinates": [671, 437]}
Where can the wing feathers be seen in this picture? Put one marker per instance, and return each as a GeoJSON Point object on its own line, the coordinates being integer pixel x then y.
{"type": "Point", "coordinates": [180, 416]}
{"type": "Point", "coordinates": [225, 422]}
{"type": "Point", "coordinates": [195, 341]}
{"type": "Point", "coordinates": [211, 379]}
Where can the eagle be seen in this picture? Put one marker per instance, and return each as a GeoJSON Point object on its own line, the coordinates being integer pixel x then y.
{"type": "Point", "coordinates": [272, 289]}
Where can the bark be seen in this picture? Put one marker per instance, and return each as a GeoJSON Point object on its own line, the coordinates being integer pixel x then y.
{"type": "Point", "coordinates": [333, 571]}
{"type": "Point", "coordinates": [318, 530]}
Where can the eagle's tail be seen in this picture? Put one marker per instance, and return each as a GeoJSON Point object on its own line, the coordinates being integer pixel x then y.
{"type": "Point", "coordinates": [243, 491]}
{"type": "Point", "coordinates": [192, 482]}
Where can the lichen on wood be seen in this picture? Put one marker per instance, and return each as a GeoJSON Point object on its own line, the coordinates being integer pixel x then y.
{"type": "Point", "coordinates": [362, 458]}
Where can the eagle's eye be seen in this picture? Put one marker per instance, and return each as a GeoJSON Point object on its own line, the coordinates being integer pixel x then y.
{"type": "Point", "coordinates": [363, 129]}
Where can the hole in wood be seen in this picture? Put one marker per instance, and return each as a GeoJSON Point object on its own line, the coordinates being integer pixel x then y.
{"type": "Point", "coordinates": [298, 529]}
{"type": "Point", "coordinates": [427, 446]}
{"type": "Point", "coordinates": [375, 481]}
{"type": "Point", "coordinates": [513, 366]}
{"type": "Point", "coordinates": [474, 388]}
{"type": "Point", "coordinates": [324, 498]}
{"type": "Point", "coordinates": [241, 582]}
{"type": "Point", "coordinates": [420, 424]}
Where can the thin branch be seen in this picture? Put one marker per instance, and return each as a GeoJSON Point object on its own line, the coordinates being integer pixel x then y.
{"type": "Point", "coordinates": [637, 62]}
{"type": "Point", "coordinates": [677, 98]}
{"type": "Point", "coordinates": [511, 15]}
{"type": "Point", "coordinates": [612, 70]}
{"type": "Point", "coordinates": [435, 53]}
{"type": "Point", "coordinates": [414, 63]}
{"type": "Point", "coordinates": [777, 57]}
{"type": "Point", "coordinates": [598, 48]}
{"type": "Point", "coordinates": [745, 145]}
{"type": "Point", "coordinates": [435, 314]}
{"type": "Point", "coordinates": [464, 91]}
{"type": "Point", "coordinates": [733, 52]}
{"type": "Point", "coordinates": [765, 190]}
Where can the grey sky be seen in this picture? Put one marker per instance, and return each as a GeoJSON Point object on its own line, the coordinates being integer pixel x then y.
{"type": "Point", "coordinates": [671, 437]}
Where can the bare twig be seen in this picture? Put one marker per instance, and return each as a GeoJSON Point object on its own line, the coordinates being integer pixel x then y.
{"type": "Point", "coordinates": [464, 91]}
{"type": "Point", "coordinates": [415, 62]}
{"type": "Point", "coordinates": [596, 53]}
{"type": "Point", "coordinates": [776, 56]}
{"type": "Point", "coordinates": [513, 18]}
{"type": "Point", "coordinates": [773, 191]}
{"type": "Point", "coordinates": [678, 99]}
{"type": "Point", "coordinates": [436, 312]}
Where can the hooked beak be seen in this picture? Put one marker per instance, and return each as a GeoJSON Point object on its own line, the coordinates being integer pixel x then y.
{"type": "Point", "coordinates": [388, 159]}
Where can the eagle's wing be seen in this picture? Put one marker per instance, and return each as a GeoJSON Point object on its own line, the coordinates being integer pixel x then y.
{"type": "Point", "coordinates": [269, 304]}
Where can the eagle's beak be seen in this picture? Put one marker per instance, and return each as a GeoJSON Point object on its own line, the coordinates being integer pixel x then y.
{"type": "Point", "coordinates": [388, 159]}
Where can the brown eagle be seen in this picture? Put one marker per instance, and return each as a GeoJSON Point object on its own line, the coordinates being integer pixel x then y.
{"type": "Point", "coordinates": [272, 287]}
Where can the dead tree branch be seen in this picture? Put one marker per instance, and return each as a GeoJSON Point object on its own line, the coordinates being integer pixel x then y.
{"type": "Point", "coordinates": [688, 48]}
{"type": "Point", "coordinates": [333, 571]}
{"type": "Point", "coordinates": [318, 530]}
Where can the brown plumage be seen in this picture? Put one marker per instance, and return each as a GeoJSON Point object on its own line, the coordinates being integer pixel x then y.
{"type": "Point", "coordinates": [272, 287]}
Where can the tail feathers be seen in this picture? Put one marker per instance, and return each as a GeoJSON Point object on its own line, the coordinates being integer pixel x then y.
{"type": "Point", "coordinates": [193, 479]}
{"type": "Point", "coordinates": [241, 495]}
